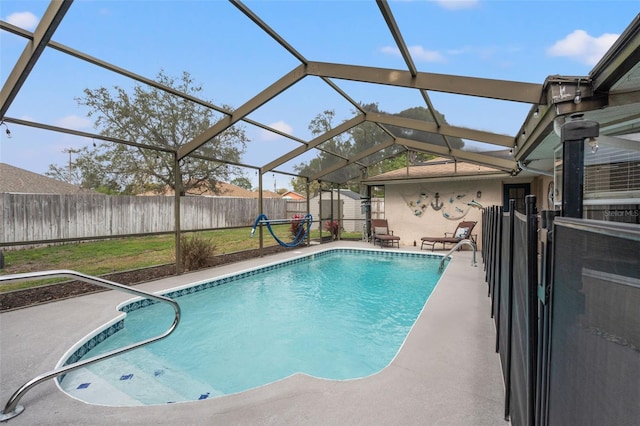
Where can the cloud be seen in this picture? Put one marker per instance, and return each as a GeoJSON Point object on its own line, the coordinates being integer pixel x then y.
{"type": "Point", "coordinates": [25, 20]}
{"type": "Point", "coordinates": [457, 4]}
{"type": "Point", "coordinates": [74, 122]}
{"type": "Point", "coordinates": [390, 50]}
{"type": "Point", "coordinates": [579, 45]}
{"type": "Point", "coordinates": [278, 125]}
{"type": "Point", "coordinates": [418, 53]}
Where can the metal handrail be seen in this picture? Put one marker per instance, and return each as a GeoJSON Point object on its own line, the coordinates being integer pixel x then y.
{"type": "Point", "coordinates": [12, 408]}
{"type": "Point", "coordinates": [458, 244]}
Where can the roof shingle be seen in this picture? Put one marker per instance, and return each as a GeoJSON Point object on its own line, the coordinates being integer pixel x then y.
{"type": "Point", "coordinates": [16, 180]}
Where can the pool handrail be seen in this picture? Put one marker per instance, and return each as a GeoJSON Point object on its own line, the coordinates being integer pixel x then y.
{"type": "Point", "coordinates": [12, 408]}
{"type": "Point", "coordinates": [458, 244]}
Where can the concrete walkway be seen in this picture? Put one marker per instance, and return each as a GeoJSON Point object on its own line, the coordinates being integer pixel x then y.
{"type": "Point", "coordinates": [447, 372]}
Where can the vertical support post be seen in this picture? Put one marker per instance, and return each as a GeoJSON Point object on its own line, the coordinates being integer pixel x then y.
{"type": "Point", "coordinates": [339, 215]}
{"type": "Point", "coordinates": [572, 134]}
{"type": "Point", "coordinates": [331, 213]}
{"type": "Point", "coordinates": [320, 209]}
{"type": "Point", "coordinates": [308, 194]}
{"type": "Point", "coordinates": [369, 212]}
{"type": "Point", "coordinates": [260, 211]}
{"type": "Point", "coordinates": [177, 173]}
{"type": "Point", "coordinates": [532, 302]}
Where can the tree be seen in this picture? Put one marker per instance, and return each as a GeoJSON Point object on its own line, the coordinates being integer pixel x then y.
{"type": "Point", "coordinates": [242, 182]}
{"type": "Point", "coordinates": [154, 117]}
{"type": "Point", "coordinates": [67, 173]}
{"type": "Point", "coordinates": [362, 137]}
{"type": "Point", "coordinates": [299, 185]}
{"type": "Point", "coordinates": [340, 145]}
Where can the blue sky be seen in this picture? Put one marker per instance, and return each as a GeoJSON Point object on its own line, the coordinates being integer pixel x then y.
{"type": "Point", "coordinates": [234, 60]}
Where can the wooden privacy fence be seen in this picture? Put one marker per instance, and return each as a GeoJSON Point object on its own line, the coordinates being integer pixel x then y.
{"type": "Point", "coordinates": [44, 217]}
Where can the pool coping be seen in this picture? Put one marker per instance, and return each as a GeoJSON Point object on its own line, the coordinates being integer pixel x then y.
{"type": "Point", "coordinates": [447, 371]}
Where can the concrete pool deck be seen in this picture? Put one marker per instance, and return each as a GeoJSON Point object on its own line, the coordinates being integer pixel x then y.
{"type": "Point", "coordinates": [447, 372]}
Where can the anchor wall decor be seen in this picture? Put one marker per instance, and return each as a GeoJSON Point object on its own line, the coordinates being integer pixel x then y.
{"type": "Point", "coordinates": [455, 208]}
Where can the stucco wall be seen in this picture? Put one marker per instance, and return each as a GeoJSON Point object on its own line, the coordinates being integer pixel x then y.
{"type": "Point", "coordinates": [542, 192]}
{"type": "Point", "coordinates": [415, 221]}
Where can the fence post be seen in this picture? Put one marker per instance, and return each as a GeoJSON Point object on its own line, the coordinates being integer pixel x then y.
{"type": "Point", "coordinates": [497, 288]}
{"type": "Point", "coordinates": [507, 378]}
{"type": "Point", "coordinates": [573, 133]}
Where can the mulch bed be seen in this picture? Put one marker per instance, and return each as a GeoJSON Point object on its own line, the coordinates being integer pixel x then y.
{"type": "Point", "coordinates": [49, 293]}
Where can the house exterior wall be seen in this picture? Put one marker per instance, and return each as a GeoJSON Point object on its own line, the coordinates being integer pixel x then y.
{"type": "Point", "coordinates": [412, 220]}
{"type": "Point", "coordinates": [542, 192]}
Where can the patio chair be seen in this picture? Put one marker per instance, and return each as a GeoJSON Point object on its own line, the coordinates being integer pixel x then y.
{"type": "Point", "coordinates": [380, 231]}
{"type": "Point", "coordinates": [462, 232]}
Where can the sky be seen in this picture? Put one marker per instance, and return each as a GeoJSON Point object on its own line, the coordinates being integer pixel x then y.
{"type": "Point", "coordinates": [233, 60]}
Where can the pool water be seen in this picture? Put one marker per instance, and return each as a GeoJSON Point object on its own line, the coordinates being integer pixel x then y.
{"type": "Point", "coordinates": [340, 314]}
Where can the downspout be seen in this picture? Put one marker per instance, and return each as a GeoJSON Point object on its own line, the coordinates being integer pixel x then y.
{"type": "Point", "coordinates": [522, 166]}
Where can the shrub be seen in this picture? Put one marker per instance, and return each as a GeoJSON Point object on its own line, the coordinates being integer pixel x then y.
{"type": "Point", "coordinates": [296, 223]}
{"type": "Point", "coordinates": [196, 252]}
{"type": "Point", "coordinates": [332, 227]}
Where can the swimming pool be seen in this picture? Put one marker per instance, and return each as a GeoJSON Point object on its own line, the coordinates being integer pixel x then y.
{"type": "Point", "coordinates": [338, 314]}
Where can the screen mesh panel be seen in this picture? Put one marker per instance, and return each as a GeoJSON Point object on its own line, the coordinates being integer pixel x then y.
{"type": "Point", "coordinates": [505, 294]}
{"type": "Point", "coordinates": [519, 316]}
{"type": "Point", "coordinates": [595, 340]}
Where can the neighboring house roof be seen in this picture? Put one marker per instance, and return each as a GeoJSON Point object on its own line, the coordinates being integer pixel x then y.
{"type": "Point", "coordinates": [223, 189]}
{"type": "Point", "coordinates": [267, 194]}
{"type": "Point", "coordinates": [343, 193]}
{"type": "Point", "coordinates": [293, 195]}
{"type": "Point", "coordinates": [350, 194]}
{"type": "Point", "coordinates": [438, 168]}
{"type": "Point", "coordinates": [16, 180]}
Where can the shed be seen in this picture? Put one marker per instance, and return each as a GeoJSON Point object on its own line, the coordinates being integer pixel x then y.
{"type": "Point", "coordinates": [348, 211]}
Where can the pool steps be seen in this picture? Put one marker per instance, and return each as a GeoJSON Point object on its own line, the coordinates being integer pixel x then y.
{"type": "Point", "coordinates": [126, 384]}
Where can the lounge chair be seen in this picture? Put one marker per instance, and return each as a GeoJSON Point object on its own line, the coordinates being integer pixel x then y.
{"type": "Point", "coordinates": [462, 232]}
{"type": "Point", "coordinates": [380, 231]}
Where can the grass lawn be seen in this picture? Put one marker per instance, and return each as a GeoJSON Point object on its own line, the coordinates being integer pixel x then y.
{"type": "Point", "coordinates": [108, 256]}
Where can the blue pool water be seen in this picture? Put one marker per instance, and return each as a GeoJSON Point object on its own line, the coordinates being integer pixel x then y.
{"type": "Point", "coordinates": [339, 314]}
